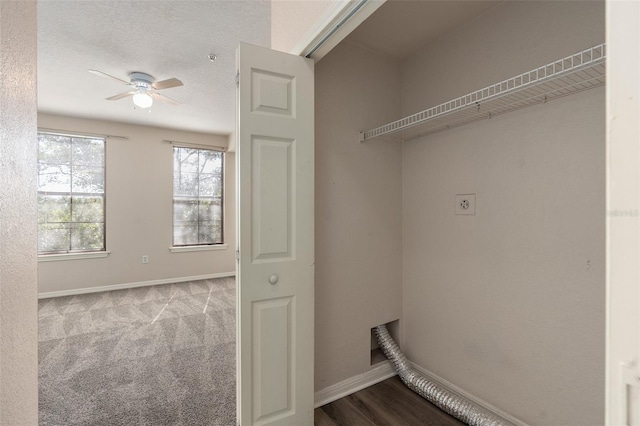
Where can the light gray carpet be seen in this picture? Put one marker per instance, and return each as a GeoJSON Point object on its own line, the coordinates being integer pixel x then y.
{"type": "Point", "coordinates": [161, 355]}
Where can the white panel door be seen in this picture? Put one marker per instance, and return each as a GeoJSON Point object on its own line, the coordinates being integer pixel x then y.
{"type": "Point", "coordinates": [275, 238]}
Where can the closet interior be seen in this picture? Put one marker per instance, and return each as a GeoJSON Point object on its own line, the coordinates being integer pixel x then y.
{"type": "Point", "coordinates": [505, 305]}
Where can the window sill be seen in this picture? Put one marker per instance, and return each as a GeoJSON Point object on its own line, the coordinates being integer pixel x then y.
{"type": "Point", "coordinates": [198, 248]}
{"type": "Point", "coordinates": [72, 256]}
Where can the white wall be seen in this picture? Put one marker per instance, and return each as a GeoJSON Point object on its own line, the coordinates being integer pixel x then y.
{"type": "Point", "coordinates": [509, 304]}
{"type": "Point", "coordinates": [291, 20]}
{"type": "Point", "coordinates": [358, 210]}
{"type": "Point", "coordinates": [18, 215]}
{"type": "Point", "coordinates": [139, 190]}
{"type": "Point", "coordinates": [623, 207]}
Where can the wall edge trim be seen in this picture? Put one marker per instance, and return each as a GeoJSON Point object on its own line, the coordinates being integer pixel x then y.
{"type": "Point", "coordinates": [461, 392]}
{"type": "Point", "coordinates": [331, 28]}
{"type": "Point", "coordinates": [97, 289]}
{"type": "Point", "coordinates": [353, 384]}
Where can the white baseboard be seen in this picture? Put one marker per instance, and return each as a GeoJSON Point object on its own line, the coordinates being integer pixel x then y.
{"type": "Point", "coordinates": [381, 372]}
{"type": "Point", "coordinates": [86, 290]}
{"type": "Point", "coordinates": [456, 390]}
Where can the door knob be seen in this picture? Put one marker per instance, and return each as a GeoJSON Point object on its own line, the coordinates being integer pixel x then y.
{"type": "Point", "coordinates": [273, 279]}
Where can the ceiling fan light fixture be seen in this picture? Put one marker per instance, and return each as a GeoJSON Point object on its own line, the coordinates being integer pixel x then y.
{"type": "Point", "coordinates": [142, 99]}
{"type": "Point", "coordinates": [144, 89]}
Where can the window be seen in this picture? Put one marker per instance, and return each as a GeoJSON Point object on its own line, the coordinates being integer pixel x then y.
{"type": "Point", "coordinates": [71, 193]}
{"type": "Point", "coordinates": [197, 196]}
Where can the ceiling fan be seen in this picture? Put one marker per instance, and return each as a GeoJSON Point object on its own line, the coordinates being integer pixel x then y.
{"type": "Point", "coordinates": [144, 88]}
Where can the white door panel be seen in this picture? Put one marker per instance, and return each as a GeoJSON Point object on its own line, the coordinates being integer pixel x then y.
{"type": "Point", "coordinates": [275, 238]}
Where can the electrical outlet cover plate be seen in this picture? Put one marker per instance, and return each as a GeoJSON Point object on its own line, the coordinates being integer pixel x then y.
{"type": "Point", "coordinates": [466, 204]}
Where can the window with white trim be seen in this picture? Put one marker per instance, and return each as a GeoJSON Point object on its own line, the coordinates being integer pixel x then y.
{"type": "Point", "coordinates": [197, 196]}
{"type": "Point", "coordinates": [71, 193]}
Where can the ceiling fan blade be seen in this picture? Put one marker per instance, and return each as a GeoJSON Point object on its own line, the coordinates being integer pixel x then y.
{"type": "Point", "coordinates": [121, 95]}
{"type": "Point", "coordinates": [163, 98]}
{"type": "Point", "coordinates": [166, 84]}
{"type": "Point", "coordinates": [101, 74]}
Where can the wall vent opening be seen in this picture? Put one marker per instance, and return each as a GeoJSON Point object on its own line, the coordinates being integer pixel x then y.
{"type": "Point", "coordinates": [377, 356]}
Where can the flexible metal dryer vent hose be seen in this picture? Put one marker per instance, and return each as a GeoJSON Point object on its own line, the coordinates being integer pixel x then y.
{"type": "Point", "coordinates": [455, 405]}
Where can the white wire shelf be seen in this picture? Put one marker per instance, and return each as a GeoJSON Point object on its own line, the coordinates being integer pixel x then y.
{"type": "Point", "coordinates": [581, 71]}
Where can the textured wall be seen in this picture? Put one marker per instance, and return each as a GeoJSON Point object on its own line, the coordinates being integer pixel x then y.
{"type": "Point", "coordinates": [139, 211]}
{"type": "Point", "coordinates": [358, 210]}
{"type": "Point", "coordinates": [18, 293]}
{"type": "Point", "coordinates": [509, 304]}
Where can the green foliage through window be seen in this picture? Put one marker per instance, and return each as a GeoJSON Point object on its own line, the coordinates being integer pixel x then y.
{"type": "Point", "coordinates": [197, 196]}
{"type": "Point", "coordinates": [71, 193]}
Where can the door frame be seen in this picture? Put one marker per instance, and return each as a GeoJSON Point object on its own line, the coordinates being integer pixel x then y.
{"type": "Point", "coordinates": [622, 211]}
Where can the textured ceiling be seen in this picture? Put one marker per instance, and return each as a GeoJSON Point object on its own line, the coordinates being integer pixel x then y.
{"type": "Point", "coordinates": [162, 38]}
{"type": "Point", "coordinates": [399, 27]}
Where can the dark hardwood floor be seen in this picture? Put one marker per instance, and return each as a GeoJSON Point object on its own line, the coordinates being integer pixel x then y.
{"type": "Point", "coordinates": [387, 403]}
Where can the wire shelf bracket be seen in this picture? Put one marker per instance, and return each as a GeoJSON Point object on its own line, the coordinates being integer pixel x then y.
{"type": "Point", "coordinates": [581, 71]}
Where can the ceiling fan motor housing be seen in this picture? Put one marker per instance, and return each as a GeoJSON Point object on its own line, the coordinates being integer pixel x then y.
{"type": "Point", "coordinates": [141, 80]}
